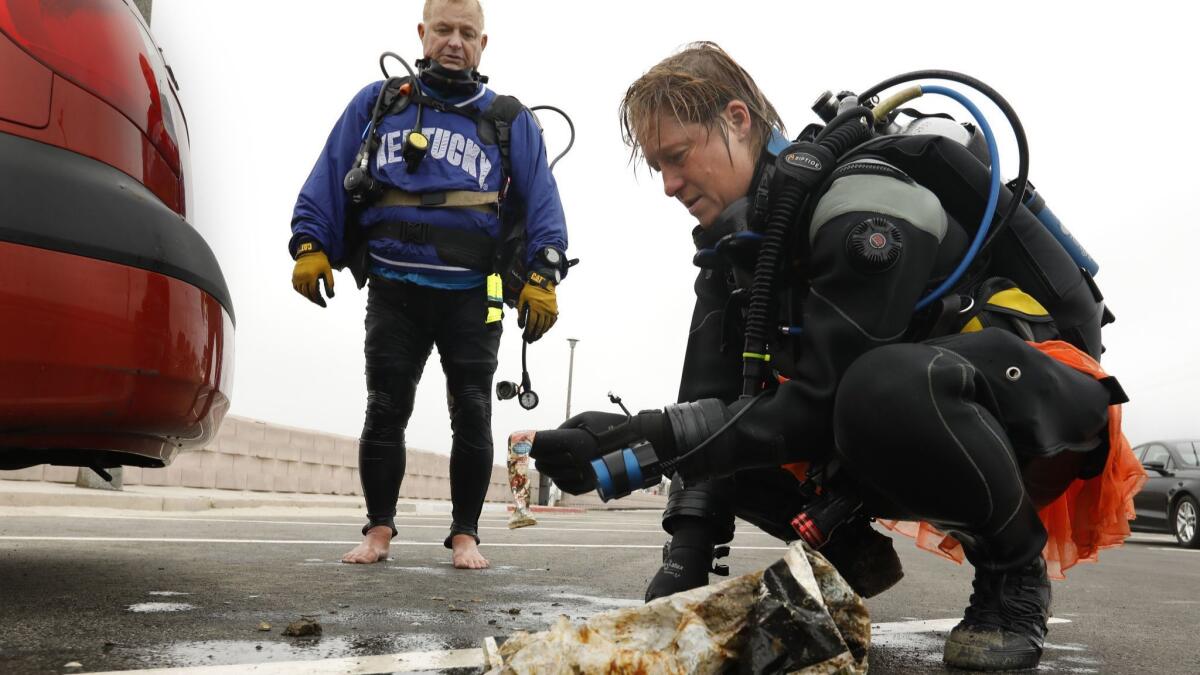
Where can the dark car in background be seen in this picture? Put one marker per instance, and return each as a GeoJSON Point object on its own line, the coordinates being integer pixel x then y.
{"type": "Point", "coordinates": [1170, 499]}
{"type": "Point", "coordinates": [116, 324]}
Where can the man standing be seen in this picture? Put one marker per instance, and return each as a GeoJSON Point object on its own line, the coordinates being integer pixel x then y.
{"type": "Point", "coordinates": [413, 191]}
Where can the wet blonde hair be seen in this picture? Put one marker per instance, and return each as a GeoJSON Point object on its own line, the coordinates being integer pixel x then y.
{"type": "Point", "coordinates": [430, 3]}
{"type": "Point", "coordinates": [694, 85]}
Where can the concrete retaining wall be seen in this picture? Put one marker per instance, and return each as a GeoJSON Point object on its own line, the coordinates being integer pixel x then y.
{"type": "Point", "coordinates": [257, 456]}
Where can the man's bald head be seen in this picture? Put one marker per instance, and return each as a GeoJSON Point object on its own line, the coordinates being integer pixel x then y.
{"type": "Point", "coordinates": [452, 33]}
{"type": "Point", "coordinates": [473, 4]}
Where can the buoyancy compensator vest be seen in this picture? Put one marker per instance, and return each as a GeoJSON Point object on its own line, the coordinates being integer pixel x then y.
{"type": "Point", "coordinates": [505, 256]}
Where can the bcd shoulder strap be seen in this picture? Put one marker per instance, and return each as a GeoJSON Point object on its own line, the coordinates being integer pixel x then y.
{"type": "Point", "coordinates": [510, 253]}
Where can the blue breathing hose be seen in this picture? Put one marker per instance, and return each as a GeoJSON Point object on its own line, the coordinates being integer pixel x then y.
{"type": "Point", "coordinates": [993, 194]}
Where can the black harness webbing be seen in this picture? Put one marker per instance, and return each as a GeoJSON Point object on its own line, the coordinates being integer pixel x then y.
{"type": "Point", "coordinates": [462, 248]}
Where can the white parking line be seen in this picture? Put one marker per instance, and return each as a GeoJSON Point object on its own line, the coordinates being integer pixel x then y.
{"type": "Point", "coordinates": [540, 528]}
{"type": "Point", "coordinates": [355, 665]}
{"type": "Point", "coordinates": [926, 626]}
{"type": "Point", "coordinates": [312, 542]}
{"type": "Point", "coordinates": [651, 519]}
{"type": "Point", "coordinates": [1179, 549]}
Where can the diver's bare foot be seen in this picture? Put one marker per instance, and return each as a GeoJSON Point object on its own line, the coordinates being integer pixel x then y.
{"type": "Point", "coordinates": [374, 546]}
{"type": "Point", "coordinates": [466, 555]}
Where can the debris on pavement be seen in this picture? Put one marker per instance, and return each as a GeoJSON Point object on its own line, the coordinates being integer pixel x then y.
{"type": "Point", "coordinates": [519, 444]}
{"type": "Point", "coordinates": [73, 664]}
{"type": "Point", "coordinates": [796, 615]}
{"type": "Point", "coordinates": [491, 654]}
{"type": "Point", "coordinates": [264, 626]}
{"type": "Point", "coordinates": [806, 616]}
{"type": "Point", "coordinates": [303, 627]}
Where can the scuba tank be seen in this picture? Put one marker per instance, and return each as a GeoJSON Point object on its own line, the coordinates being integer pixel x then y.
{"type": "Point", "coordinates": [1037, 206]}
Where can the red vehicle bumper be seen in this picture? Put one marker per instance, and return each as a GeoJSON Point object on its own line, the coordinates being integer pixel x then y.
{"type": "Point", "coordinates": [106, 364]}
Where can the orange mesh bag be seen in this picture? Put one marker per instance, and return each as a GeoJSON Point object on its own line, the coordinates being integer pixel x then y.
{"type": "Point", "coordinates": [1089, 515]}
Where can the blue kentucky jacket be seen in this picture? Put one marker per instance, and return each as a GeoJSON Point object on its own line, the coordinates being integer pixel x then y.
{"type": "Point", "coordinates": [457, 159]}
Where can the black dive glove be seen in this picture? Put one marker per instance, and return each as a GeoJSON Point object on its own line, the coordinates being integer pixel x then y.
{"type": "Point", "coordinates": [566, 454]}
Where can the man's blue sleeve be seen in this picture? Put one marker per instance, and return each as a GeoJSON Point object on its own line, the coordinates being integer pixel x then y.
{"type": "Point", "coordinates": [320, 211]}
{"type": "Point", "coordinates": [545, 223]}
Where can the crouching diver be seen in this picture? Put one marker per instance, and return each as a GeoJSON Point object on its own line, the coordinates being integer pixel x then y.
{"type": "Point", "coordinates": [878, 314]}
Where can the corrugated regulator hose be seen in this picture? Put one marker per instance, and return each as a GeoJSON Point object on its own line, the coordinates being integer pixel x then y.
{"type": "Point", "coordinates": [801, 168]}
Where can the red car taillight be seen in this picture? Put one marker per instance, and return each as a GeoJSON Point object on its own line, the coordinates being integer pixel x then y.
{"type": "Point", "coordinates": [100, 46]}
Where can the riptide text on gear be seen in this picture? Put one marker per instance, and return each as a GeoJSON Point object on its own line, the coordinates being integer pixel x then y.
{"type": "Point", "coordinates": [449, 146]}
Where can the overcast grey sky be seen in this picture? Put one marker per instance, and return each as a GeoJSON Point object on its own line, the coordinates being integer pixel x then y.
{"type": "Point", "coordinates": [1105, 95]}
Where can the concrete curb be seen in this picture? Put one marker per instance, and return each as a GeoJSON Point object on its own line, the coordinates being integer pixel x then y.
{"type": "Point", "coordinates": [27, 495]}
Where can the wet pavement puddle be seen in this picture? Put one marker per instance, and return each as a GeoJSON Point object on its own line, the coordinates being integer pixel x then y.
{"type": "Point", "coordinates": [599, 601]}
{"type": "Point", "coordinates": [211, 652]}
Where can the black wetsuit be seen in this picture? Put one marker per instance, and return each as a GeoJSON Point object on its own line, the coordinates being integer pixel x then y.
{"type": "Point", "coordinates": [404, 321]}
{"type": "Point", "coordinates": [925, 425]}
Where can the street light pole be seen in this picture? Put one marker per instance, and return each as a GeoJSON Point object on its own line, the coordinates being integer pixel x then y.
{"type": "Point", "coordinates": [544, 484]}
{"type": "Point", "coordinates": [570, 375]}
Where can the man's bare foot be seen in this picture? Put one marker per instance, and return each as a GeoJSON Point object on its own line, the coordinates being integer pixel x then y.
{"type": "Point", "coordinates": [466, 555]}
{"type": "Point", "coordinates": [374, 546]}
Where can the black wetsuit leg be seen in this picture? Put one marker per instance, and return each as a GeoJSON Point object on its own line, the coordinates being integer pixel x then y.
{"type": "Point", "coordinates": [938, 431]}
{"type": "Point", "coordinates": [468, 349]}
{"type": "Point", "coordinates": [399, 338]}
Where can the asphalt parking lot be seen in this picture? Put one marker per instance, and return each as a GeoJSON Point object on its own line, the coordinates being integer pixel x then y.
{"type": "Point", "coordinates": [121, 590]}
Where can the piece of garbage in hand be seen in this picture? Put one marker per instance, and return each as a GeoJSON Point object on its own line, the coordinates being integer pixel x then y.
{"type": "Point", "coordinates": [519, 444]}
{"type": "Point", "coordinates": [796, 615]}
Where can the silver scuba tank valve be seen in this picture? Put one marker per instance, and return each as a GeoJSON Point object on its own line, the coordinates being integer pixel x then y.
{"type": "Point", "coordinates": [847, 100]}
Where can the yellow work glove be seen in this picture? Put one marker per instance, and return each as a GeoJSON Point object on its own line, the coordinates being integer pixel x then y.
{"type": "Point", "coordinates": [537, 307]}
{"type": "Point", "coordinates": [310, 268]}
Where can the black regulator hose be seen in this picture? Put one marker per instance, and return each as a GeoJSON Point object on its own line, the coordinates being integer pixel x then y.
{"type": "Point", "coordinates": [843, 132]}
{"type": "Point", "coordinates": [394, 55]}
{"type": "Point", "coordinates": [839, 122]}
{"type": "Point", "coordinates": [570, 124]}
{"type": "Point", "coordinates": [1019, 184]}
